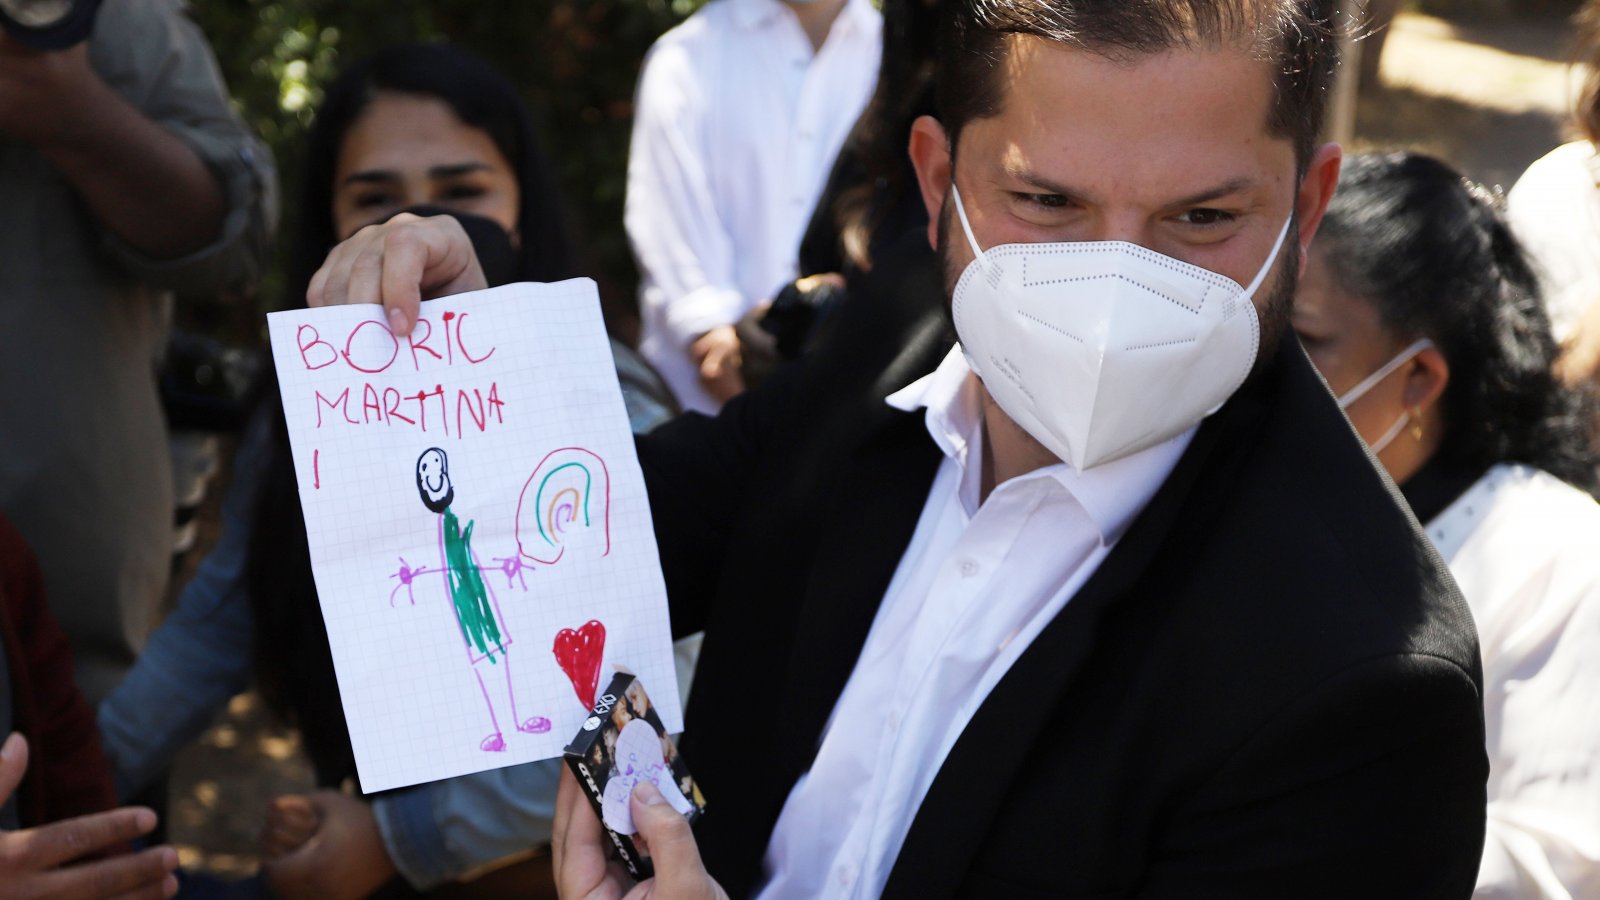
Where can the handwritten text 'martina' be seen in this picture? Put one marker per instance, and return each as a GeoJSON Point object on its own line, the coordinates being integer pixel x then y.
{"type": "Point", "coordinates": [371, 348]}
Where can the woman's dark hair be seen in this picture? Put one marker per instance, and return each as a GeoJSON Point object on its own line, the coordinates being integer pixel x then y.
{"type": "Point", "coordinates": [293, 662]}
{"type": "Point", "coordinates": [479, 96]}
{"type": "Point", "coordinates": [904, 92]}
{"type": "Point", "coordinates": [1432, 253]}
{"type": "Point", "coordinates": [1588, 22]}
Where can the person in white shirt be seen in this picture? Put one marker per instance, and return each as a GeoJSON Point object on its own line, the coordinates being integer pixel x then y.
{"type": "Point", "coordinates": [1421, 311]}
{"type": "Point", "coordinates": [1555, 210]}
{"type": "Point", "coordinates": [740, 113]}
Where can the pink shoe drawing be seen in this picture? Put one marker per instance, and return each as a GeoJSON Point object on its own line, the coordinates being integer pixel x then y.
{"type": "Point", "coordinates": [494, 743]}
{"type": "Point", "coordinates": [535, 725]}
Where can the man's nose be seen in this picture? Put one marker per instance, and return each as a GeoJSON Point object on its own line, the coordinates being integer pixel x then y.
{"type": "Point", "coordinates": [1131, 227]}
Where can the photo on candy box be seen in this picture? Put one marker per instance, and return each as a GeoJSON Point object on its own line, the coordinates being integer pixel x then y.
{"type": "Point", "coordinates": [622, 743]}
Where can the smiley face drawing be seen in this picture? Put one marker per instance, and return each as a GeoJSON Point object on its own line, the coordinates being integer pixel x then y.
{"type": "Point", "coordinates": [477, 611]}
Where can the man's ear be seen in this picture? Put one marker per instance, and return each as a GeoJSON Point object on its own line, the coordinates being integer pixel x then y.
{"type": "Point", "coordinates": [1316, 189]}
{"type": "Point", "coordinates": [1428, 377]}
{"type": "Point", "coordinates": [930, 155]}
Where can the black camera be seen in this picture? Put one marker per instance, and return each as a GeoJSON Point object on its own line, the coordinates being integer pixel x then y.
{"type": "Point", "coordinates": [797, 313]}
{"type": "Point", "coordinates": [48, 24]}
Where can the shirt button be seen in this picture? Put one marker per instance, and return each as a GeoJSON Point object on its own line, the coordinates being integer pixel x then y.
{"type": "Point", "coordinates": [846, 874]}
{"type": "Point", "coordinates": [969, 568]}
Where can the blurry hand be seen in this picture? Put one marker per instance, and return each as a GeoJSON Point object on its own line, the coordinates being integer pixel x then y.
{"type": "Point", "coordinates": [343, 859]}
{"type": "Point", "coordinates": [40, 92]}
{"type": "Point", "coordinates": [583, 871]}
{"type": "Point", "coordinates": [1579, 364]}
{"type": "Point", "coordinates": [399, 264]}
{"type": "Point", "coordinates": [291, 821]}
{"type": "Point", "coordinates": [41, 862]}
{"type": "Point", "coordinates": [716, 353]}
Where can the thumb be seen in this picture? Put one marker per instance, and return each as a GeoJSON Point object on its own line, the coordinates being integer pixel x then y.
{"type": "Point", "coordinates": [13, 764]}
{"type": "Point", "coordinates": [679, 871]}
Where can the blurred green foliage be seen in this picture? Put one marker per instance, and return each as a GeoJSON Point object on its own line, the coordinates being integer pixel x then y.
{"type": "Point", "coordinates": [576, 60]}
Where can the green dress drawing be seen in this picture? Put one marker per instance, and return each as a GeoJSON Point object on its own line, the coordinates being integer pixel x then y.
{"type": "Point", "coordinates": [474, 612]}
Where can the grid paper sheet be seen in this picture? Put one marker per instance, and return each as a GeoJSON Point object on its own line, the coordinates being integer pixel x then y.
{"type": "Point", "coordinates": [478, 525]}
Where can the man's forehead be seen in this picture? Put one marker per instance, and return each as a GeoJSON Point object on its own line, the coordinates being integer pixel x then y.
{"type": "Point", "coordinates": [1081, 116]}
{"type": "Point", "coordinates": [1025, 52]}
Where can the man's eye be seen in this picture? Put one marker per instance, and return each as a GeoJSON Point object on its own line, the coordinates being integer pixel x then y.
{"type": "Point", "coordinates": [1204, 217]}
{"type": "Point", "coordinates": [1048, 201]}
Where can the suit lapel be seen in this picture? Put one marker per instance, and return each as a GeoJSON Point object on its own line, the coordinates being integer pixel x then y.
{"type": "Point", "coordinates": [974, 779]}
{"type": "Point", "coordinates": [881, 494]}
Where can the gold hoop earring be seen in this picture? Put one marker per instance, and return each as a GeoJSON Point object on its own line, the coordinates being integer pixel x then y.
{"type": "Point", "coordinates": [1416, 423]}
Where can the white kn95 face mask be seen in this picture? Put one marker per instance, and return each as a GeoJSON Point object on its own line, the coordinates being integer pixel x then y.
{"type": "Point", "coordinates": [1100, 349]}
{"type": "Point", "coordinates": [1371, 381]}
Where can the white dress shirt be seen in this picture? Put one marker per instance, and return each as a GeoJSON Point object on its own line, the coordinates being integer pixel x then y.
{"type": "Point", "coordinates": [736, 126]}
{"type": "Point", "coordinates": [976, 585]}
{"type": "Point", "coordinates": [1525, 549]}
{"type": "Point", "coordinates": [1555, 211]}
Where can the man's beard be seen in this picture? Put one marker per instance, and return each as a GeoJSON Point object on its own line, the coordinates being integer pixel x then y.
{"type": "Point", "coordinates": [1272, 313]}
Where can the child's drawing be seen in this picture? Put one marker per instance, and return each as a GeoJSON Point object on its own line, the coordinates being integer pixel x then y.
{"type": "Point", "coordinates": [638, 758]}
{"type": "Point", "coordinates": [578, 652]}
{"type": "Point", "coordinates": [565, 502]}
{"type": "Point", "coordinates": [476, 607]}
{"type": "Point", "coordinates": [517, 455]}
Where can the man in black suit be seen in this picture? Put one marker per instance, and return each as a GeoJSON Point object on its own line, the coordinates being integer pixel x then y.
{"type": "Point", "coordinates": [1122, 627]}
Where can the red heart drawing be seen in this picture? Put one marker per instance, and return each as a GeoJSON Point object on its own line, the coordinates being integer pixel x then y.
{"type": "Point", "coordinates": [578, 653]}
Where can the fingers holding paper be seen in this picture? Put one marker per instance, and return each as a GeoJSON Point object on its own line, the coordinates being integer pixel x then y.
{"type": "Point", "coordinates": [398, 264]}
{"type": "Point", "coordinates": [680, 875]}
{"type": "Point", "coordinates": [584, 870]}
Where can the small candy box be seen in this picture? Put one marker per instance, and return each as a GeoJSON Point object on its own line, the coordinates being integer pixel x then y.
{"type": "Point", "coordinates": [621, 744]}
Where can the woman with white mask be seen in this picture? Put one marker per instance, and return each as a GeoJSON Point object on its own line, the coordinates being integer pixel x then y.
{"type": "Point", "coordinates": [1423, 315]}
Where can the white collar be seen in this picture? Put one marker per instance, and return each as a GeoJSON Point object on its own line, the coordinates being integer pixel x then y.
{"type": "Point", "coordinates": [749, 14]}
{"type": "Point", "coordinates": [1111, 493]}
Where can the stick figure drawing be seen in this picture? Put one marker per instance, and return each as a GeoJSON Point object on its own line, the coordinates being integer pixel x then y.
{"type": "Point", "coordinates": [477, 610]}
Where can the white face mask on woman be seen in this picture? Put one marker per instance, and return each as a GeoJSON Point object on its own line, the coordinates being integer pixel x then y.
{"type": "Point", "coordinates": [1100, 349]}
{"type": "Point", "coordinates": [1371, 381]}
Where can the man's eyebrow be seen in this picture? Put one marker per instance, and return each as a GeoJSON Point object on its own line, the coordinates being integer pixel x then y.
{"type": "Point", "coordinates": [1045, 185]}
{"type": "Point", "coordinates": [1231, 186]}
{"type": "Point", "coordinates": [454, 169]}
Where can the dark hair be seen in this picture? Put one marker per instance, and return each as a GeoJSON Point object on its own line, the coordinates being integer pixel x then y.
{"type": "Point", "coordinates": [435, 504]}
{"type": "Point", "coordinates": [904, 92]}
{"type": "Point", "coordinates": [1588, 27]}
{"type": "Point", "coordinates": [479, 96]}
{"type": "Point", "coordinates": [1431, 252]}
{"type": "Point", "coordinates": [974, 40]}
{"type": "Point", "coordinates": [293, 660]}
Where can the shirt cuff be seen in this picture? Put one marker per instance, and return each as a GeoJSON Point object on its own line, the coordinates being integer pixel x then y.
{"type": "Point", "coordinates": [242, 166]}
{"type": "Point", "coordinates": [411, 835]}
{"type": "Point", "coordinates": [688, 317]}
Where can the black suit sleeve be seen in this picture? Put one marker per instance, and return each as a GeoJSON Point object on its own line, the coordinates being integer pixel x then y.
{"type": "Point", "coordinates": [695, 472]}
{"type": "Point", "coordinates": [1372, 786]}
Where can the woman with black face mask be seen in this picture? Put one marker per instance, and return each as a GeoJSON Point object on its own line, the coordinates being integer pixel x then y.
{"type": "Point", "coordinates": [421, 130]}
